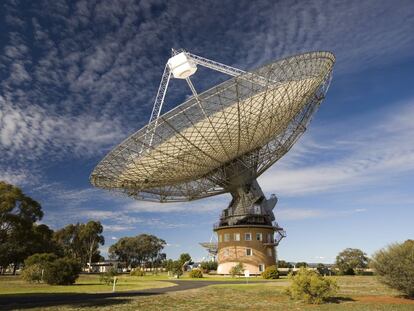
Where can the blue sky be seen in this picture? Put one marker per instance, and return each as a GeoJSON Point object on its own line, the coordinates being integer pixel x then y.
{"type": "Point", "coordinates": [76, 78]}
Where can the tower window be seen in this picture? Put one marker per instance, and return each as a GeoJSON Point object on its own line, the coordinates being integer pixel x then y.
{"type": "Point", "coordinates": [269, 238]}
{"type": "Point", "coordinates": [237, 236]}
{"type": "Point", "coordinates": [249, 252]}
{"type": "Point", "coordinates": [248, 236]}
{"type": "Point", "coordinates": [259, 236]}
{"type": "Point", "coordinates": [261, 267]}
{"type": "Point", "coordinates": [220, 238]}
{"type": "Point", "coordinates": [269, 252]}
{"type": "Point", "coordinates": [226, 237]}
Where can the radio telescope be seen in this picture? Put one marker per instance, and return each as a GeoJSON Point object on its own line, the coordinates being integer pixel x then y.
{"type": "Point", "coordinates": [219, 141]}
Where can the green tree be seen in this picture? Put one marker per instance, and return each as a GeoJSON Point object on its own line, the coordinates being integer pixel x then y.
{"type": "Point", "coordinates": [322, 269]}
{"type": "Point", "coordinates": [81, 241]}
{"type": "Point", "coordinates": [394, 266]}
{"type": "Point", "coordinates": [68, 239]}
{"type": "Point", "coordinates": [176, 268]}
{"type": "Point", "coordinates": [301, 264]}
{"type": "Point", "coordinates": [185, 257]}
{"type": "Point", "coordinates": [208, 266]}
{"type": "Point", "coordinates": [283, 264]}
{"type": "Point", "coordinates": [351, 260]}
{"type": "Point", "coordinates": [18, 214]}
{"type": "Point", "coordinates": [41, 241]}
{"type": "Point", "coordinates": [90, 236]}
{"type": "Point", "coordinates": [142, 250]}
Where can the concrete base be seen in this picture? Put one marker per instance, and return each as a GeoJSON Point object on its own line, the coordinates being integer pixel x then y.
{"type": "Point", "coordinates": [225, 268]}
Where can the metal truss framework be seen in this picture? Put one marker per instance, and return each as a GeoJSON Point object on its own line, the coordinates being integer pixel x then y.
{"type": "Point", "coordinates": [220, 140]}
{"type": "Point", "coordinates": [165, 79]}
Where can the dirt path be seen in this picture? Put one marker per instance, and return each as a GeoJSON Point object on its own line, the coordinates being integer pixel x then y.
{"type": "Point", "coordinates": [12, 302]}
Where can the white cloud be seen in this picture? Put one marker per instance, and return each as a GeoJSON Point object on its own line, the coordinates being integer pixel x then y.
{"type": "Point", "coordinates": [199, 206]}
{"type": "Point", "coordinates": [354, 156]}
{"type": "Point", "coordinates": [31, 132]}
{"type": "Point", "coordinates": [16, 177]}
{"type": "Point", "coordinates": [117, 228]}
{"type": "Point", "coordinates": [89, 87]}
{"type": "Point", "coordinates": [289, 213]}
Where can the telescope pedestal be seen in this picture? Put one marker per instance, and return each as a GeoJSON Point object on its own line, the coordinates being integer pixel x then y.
{"type": "Point", "coordinates": [247, 232]}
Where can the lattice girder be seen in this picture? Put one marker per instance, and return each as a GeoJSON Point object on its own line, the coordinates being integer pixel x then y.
{"type": "Point", "coordinates": [242, 119]}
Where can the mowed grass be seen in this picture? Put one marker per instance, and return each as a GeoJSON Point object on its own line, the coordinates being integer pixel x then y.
{"type": "Point", "coordinates": [85, 284]}
{"type": "Point", "coordinates": [356, 293]}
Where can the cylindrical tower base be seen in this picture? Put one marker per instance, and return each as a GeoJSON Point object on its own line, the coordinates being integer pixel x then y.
{"type": "Point", "coordinates": [252, 245]}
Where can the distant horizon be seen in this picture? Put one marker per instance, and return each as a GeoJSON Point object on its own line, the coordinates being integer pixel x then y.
{"type": "Point", "coordinates": [78, 79]}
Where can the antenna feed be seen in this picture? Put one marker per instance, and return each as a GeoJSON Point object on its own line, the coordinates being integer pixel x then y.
{"type": "Point", "coordinates": [182, 66]}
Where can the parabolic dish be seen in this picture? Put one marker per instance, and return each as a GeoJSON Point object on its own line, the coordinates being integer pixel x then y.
{"type": "Point", "coordinates": [249, 121]}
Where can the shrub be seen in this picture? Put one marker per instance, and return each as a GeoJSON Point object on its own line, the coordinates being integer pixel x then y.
{"type": "Point", "coordinates": [394, 266]}
{"type": "Point", "coordinates": [311, 287]}
{"type": "Point", "coordinates": [35, 265]}
{"type": "Point", "coordinates": [62, 271]}
{"type": "Point", "coordinates": [196, 274]}
{"type": "Point", "coordinates": [137, 272]}
{"type": "Point", "coordinates": [270, 273]}
{"type": "Point", "coordinates": [32, 273]}
{"type": "Point", "coordinates": [237, 269]}
{"type": "Point", "coordinates": [108, 276]}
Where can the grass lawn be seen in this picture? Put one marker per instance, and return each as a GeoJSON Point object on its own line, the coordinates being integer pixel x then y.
{"type": "Point", "coordinates": [369, 295]}
{"type": "Point", "coordinates": [84, 284]}
{"type": "Point", "coordinates": [356, 293]}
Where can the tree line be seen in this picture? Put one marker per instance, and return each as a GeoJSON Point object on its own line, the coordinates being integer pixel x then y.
{"type": "Point", "coordinates": [21, 236]}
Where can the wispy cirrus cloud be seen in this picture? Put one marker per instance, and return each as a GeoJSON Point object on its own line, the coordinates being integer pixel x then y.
{"type": "Point", "coordinates": [289, 213]}
{"type": "Point", "coordinates": [26, 134]}
{"type": "Point", "coordinates": [350, 156]}
{"type": "Point", "coordinates": [212, 205]}
{"type": "Point", "coordinates": [83, 78]}
{"type": "Point", "coordinates": [16, 177]}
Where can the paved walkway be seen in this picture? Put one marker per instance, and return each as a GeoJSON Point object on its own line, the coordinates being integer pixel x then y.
{"type": "Point", "coordinates": [104, 299]}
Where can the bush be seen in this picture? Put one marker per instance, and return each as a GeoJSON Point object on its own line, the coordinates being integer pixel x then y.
{"type": "Point", "coordinates": [137, 272]}
{"type": "Point", "coordinates": [35, 265]}
{"type": "Point", "coordinates": [196, 274]}
{"type": "Point", "coordinates": [311, 287]}
{"type": "Point", "coordinates": [270, 273]}
{"type": "Point", "coordinates": [237, 269]}
{"type": "Point", "coordinates": [394, 266]}
{"type": "Point", "coordinates": [108, 276]}
{"type": "Point", "coordinates": [32, 273]}
{"type": "Point", "coordinates": [62, 271]}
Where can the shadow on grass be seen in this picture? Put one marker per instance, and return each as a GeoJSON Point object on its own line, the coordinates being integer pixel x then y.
{"type": "Point", "coordinates": [340, 299]}
{"type": "Point", "coordinates": [26, 301]}
{"type": "Point", "coordinates": [14, 301]}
